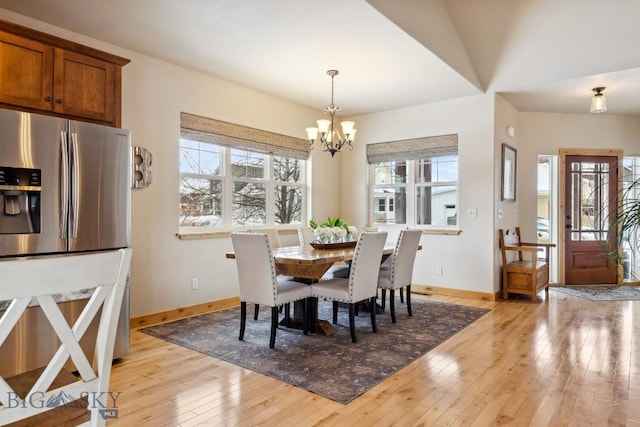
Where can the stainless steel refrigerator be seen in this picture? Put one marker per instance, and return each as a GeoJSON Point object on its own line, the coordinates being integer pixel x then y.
{"type": "Point", "coordinates": [64, 188]}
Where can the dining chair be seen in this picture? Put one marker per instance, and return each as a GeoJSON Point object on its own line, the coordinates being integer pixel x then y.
{"type": "Point", "coordinates": [400, 271]}
{"type": "Point", "coordinates": [274, 238]}
{"type": "Point", "coordinates": [306, 236]}
{"type": "Point", "coordinates": [362, 282]}
{"type": "Point", "coordinates": [260, 284]}
{"type": "Point", "coordinates": [40, 282]}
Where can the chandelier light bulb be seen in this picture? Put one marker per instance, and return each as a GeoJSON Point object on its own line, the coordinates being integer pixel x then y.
{"type": "Point", "coordinates": [312, 133]}
{"type": "Point", "coordinates": [323, 125]}
{"type": "Point", "coordinates": [347, 127]}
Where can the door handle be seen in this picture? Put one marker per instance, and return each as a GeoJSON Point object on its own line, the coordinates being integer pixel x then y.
{"type": "Point", "coordinates": [75, 185]}
{"type": "Point", "coordinates": [64, 185]}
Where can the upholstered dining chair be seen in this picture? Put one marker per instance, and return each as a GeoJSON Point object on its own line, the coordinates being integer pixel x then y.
{"type": "Point", "coordinates": [260, 284]}
{"type": "Point", "coordinates": [99, 276]}
{"type": "Point", "coordinates": [274, 238]}
{"type": "Point", "coordinates": [305, 235]}
{"type": "Point", "coordinates": [400, 271]}
{"type": "Point", "coordinates": [362, 282]}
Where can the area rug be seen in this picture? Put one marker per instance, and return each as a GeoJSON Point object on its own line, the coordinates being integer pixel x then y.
{"type": "Point", "coordinates": [330, 366]}
{"type": "Point", "coordinates": [601, 292]}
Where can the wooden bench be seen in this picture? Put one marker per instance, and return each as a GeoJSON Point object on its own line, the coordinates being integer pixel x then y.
{"type": "Point", "coordinates": [523, 273]}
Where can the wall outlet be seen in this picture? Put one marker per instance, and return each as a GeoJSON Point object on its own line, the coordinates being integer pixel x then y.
{"type": "Point", "coordinates": [439, 270]}
{"type": "Point", "coordinates": [194, 283]}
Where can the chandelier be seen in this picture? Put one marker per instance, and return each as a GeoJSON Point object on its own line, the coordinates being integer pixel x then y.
{"type": "Point", "coordinates": [331, 139]}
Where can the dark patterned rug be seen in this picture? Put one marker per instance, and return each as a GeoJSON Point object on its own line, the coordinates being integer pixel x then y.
{"type": "Point", "coordinates": [601, 292]}
{"type": "Point", "coordinates": [331, 366]}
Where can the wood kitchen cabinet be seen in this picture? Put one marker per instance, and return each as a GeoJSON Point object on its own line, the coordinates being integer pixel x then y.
{"type": "Point", "coordinates": [83, 86]}
{"type": "Point", "coordinates": [45, 74]}
{"type": "Point", "coordinates": [26, 72]}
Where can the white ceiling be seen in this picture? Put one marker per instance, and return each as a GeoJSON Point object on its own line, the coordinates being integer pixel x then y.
{"type": "Point", "coordinates": [541, 55]}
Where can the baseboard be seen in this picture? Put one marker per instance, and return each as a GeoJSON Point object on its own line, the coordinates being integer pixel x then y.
{"type": "Point", "coordinates": [180, 313]}
{"type": "Point", "coordinates": [426, 289]}
{"type": "Point", "coordinates": [194, 310]}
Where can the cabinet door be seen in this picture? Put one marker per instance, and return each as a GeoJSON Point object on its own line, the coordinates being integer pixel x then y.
{"type": "Point", "coordinates": [83, 86]}
{"type": "Point", "coordinates": [26, 72]}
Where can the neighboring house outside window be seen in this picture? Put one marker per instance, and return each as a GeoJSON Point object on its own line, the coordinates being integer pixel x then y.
{"type": "Point", "coordinates": [415, 182]}
{"type": "Point", "coordinates": [226, 182]}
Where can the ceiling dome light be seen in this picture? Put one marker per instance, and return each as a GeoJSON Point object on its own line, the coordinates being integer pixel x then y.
{"type": "Point", "coordinates": [598, 102]}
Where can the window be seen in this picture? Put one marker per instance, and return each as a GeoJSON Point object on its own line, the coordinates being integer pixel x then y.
{"type": "Point", "coordinates": [288, 188]}
{"type": "Point", "coordinates": [415, 182]}
{"type": "Point", "coordinates": [226, 183]}
{"type": "Point", "coordinates": [200, 184]}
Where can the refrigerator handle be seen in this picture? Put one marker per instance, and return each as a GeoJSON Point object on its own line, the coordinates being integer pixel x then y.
{"type": "Point", "coordinates": [64, 184]}
{"type": "Point", "coordinates": [75, 183]}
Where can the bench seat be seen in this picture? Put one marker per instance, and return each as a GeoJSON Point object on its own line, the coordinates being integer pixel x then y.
{"type": "Point", "coordinates": [522, 272]}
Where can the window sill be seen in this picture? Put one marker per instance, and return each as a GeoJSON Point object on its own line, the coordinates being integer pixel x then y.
{"type": "Point", "coordinates": [223, 233]}
{"type": "Point", "coordinates": [442, 231]}
{"type": "Point", "coordinates": [209, 235]}
{"type": "Point", "coordinates": [219, 234]}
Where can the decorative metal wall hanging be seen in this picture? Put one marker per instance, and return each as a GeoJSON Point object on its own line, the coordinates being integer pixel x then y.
{"type": "Point", "coordinates": [141, 175]}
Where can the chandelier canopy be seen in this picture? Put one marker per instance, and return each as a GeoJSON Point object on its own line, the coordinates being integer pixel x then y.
{"type": "Point", "coordinates": [331, 139]}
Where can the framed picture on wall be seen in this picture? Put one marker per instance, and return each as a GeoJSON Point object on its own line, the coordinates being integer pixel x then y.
{"type": "Point", "coordinates": [508, 173]}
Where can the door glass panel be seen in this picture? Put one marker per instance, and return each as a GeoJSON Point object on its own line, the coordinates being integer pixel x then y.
{"type": "Point", "coordinates": [631, 234]}
{"type": "Point", "coordinates": [589, 195]}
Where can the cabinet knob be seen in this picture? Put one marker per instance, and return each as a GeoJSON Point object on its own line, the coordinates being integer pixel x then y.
{"type": "Point", "coordinates": [59, 101]}
{"type": "Point", "coordinates": [48, 98]}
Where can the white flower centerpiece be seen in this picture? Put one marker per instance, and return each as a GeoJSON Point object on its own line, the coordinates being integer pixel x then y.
{"type": "Point", "coordinates": [333, 230]}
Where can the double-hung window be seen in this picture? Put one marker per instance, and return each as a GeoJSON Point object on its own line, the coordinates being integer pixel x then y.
{"type": "Point", "coordinates": [233, 176]}
{"type": "Point", "coordinates": [201, 179]}
{"type": "Point", "coordinates": [415, 182]}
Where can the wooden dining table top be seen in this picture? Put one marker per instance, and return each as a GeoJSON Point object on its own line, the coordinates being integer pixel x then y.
{"type": "Point", "coordinates": [311, 263]}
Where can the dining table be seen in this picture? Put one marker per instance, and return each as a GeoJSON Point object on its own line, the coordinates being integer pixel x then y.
{"type": "Point", "coordinates": [309, 264]}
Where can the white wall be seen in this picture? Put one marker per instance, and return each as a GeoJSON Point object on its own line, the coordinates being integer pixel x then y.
{"type": "Point", "coordinates": [154, 93]}
{"type": "Point", "coordinates": [506, 116]}
{"type": "Point", "coordinates": [546, 133]}
{"type": "Point", "coordinates": [467, 259]}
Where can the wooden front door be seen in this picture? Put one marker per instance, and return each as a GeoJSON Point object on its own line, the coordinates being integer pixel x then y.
{"type": "Point", "coordinates": [591, 191]}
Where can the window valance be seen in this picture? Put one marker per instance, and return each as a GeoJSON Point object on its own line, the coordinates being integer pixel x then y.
{"type": "Point", "coordinates": [245, 138]}
{"type": "Point", "coordinates": [411, 149]}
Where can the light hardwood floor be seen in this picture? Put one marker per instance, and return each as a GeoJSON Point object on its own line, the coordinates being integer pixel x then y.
{"type": "Point", "coordinates": [562, 361]}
